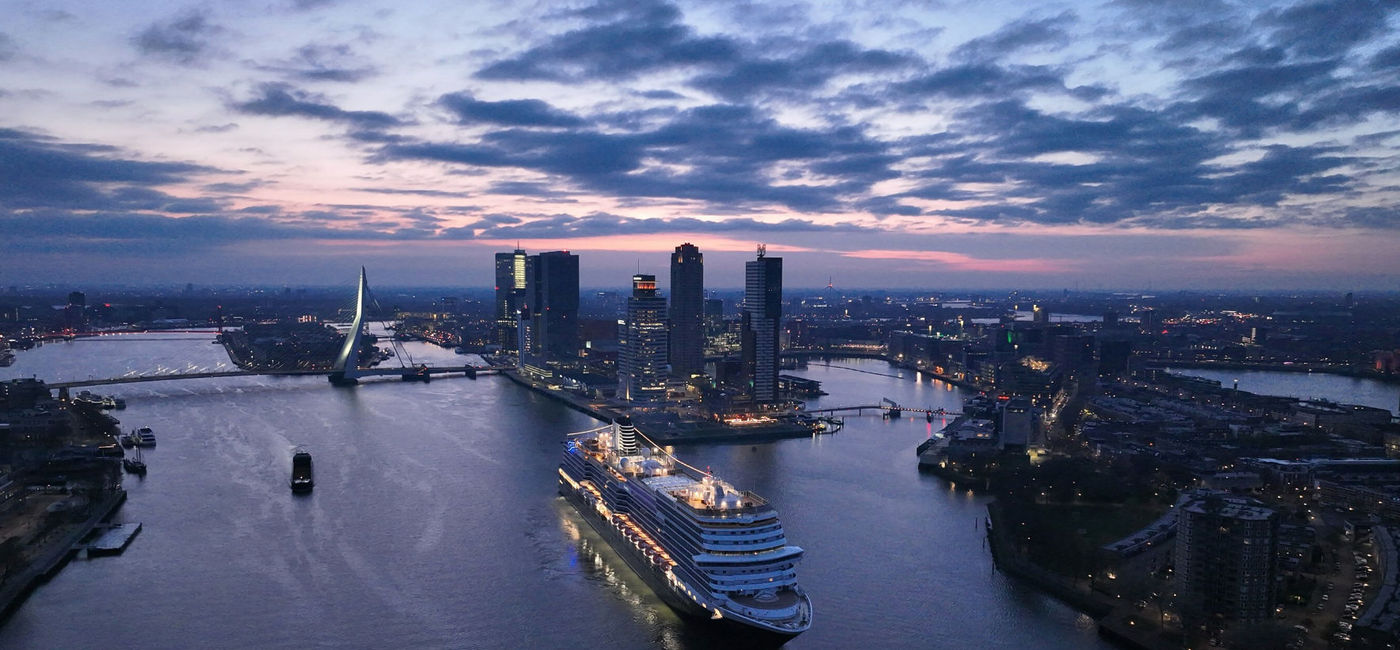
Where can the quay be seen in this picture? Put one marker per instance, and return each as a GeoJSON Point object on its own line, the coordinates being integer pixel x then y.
{"type": "Point", "coordinates": [55, 554]}
{"type": "Point", "coordinates": [576, 403]}
{"type": "Point", "coordinates": [1112, 616]}
{"type": "Point", "coordinates": [655, 431]}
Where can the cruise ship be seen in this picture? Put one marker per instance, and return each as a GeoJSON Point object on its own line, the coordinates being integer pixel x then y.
{"type": "Point", "coordinates": [708, 550]}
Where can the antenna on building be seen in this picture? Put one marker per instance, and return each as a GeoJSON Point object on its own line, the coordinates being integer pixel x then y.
{"type": "Point", "coordinates": [762, 250]}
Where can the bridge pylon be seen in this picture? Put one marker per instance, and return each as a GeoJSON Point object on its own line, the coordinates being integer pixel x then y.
{"type": "Point", "coordinates": [346, 371]}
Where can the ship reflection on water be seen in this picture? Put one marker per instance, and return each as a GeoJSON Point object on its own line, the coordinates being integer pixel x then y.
{"type": "Point", "coordinates": [589, 556]}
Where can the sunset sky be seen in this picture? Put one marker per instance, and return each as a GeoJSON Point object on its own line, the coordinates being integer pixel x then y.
{"type": "Point", "coordinates": [1126, 144]}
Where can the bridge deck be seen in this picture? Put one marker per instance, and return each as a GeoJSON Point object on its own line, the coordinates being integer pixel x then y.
{"type": "Point", "coordinates": [884, 407]}
{"type": "Point", "coordinates": [372, 372]}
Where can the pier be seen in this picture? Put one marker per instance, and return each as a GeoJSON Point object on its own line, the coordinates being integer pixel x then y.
{"type": "Point", "coordinates": [114, 539]}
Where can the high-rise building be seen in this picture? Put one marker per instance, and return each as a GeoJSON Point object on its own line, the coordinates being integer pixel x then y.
{"type": "Point", "coordinates": [526, 337]}
{"type": "Point", "coordinates": [510, 292]}
{"type": "Point", "coordinates": [641, 359]}
{"type": "Point", "coordinates": [551, 293]}
{"type": "Point", "coordinates": [1225, 557]}
{"type": "Point", "coordinates": [75, 313]}
{"type": "Point", "coordinates": [687, 334]}
{"type": "Point", "coordinates": [714, 316]}
{"type": "Point", "coordinates": [762, 311]}
{"type": "Point", "coordinates": [1017, 423]}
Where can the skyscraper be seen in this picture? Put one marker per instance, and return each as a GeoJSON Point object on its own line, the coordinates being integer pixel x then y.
{"type": "Point", "coordinates": [551, 292]}
{"type": "Point", "coordinates": [641, 361]}
{"type": "Point", "coordinates": [687, 336]}
{"type": "Point", "coordinates": [510, 291]}
{"type": "Point", "coordinates": [762, 311]}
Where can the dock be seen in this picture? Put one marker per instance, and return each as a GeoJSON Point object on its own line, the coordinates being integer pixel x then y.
{"type": "Point", "coordinates": [112, 541]}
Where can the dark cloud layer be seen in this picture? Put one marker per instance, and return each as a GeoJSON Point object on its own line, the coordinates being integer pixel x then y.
{"type": "Point", "coordinates": [41, 172]}
{"type": "Point", "coordinates": [517, 112]}
{"type": "Point", "coordinates": [184, 39]}
{"type": "Point", "coordinates": [603, 224]}
{"type": "Point", "coordinates": [732, 155]}
{"type": "Point", "coordinates": [280, 100]}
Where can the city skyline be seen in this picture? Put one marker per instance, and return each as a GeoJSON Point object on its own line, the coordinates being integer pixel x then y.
{"type": "Point", "coordinates": [1120, 145]}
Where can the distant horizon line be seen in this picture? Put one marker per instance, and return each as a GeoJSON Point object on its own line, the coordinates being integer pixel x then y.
{"type": "Point", "coordinates": [182, 286]}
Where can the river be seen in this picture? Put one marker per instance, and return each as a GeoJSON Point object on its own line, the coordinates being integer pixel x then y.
{"type": "Point", "coordinates": [435, 522]}
{"type": "Point", "coordinates": [1306, 385]}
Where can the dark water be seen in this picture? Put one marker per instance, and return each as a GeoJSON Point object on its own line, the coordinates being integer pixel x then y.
{"type": "Point", "coordinates": [1307, 385]}
{"type": "Point", "coordinates": [435, 523]}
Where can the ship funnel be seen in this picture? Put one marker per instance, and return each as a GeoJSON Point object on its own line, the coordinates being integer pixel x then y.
{"type": "Point", "coordinates": [626, 435]}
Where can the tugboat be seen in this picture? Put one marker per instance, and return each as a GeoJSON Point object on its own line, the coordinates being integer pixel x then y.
{"type": "Point", "coordinates": [134, 464]}
{"type": "Point", "coordinates": [302, 480]}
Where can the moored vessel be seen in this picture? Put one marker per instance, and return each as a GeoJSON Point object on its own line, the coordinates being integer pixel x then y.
{"type": "Point", "coordinates": [144, 437]}
{"type": "Point", "coordinates": [711, 552]}
{"type": "Point", "coordinates": [134, 463]}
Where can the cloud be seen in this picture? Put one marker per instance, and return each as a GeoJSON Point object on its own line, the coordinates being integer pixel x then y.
{"type": "Point", "coordinates": [7, 47]}
{"type": "Point", "coordinates": [645, 36]}
{"type": "Point", "coordinates": [235, 188]}
{"type": "Point", "coordinates": [1328, 27]}
{"type": "Point", "coordinates": [281, 100]}
{"type": "Point", "coordinates": [1136, 167]}
{"type": "Point", "coordinates": [413, 192]}
{"type": "Point", "coordinates": [724, 154]}
{"type": "Point", "coordinates": [633, 39]}
{"type": "Point", "coordinates": [808, 69]}
{"type": "Point", "coordinates": [42, 172]}
{"type": "Point", "coordinates": [975, 80]}
{"type": "Point", "coordinates": [603, 224]}
{"type": "Point", "coordinates": [314, 62]}
{"type": "Point", "coordinates": [1018, 35]}
{"type": "Point", "coordinates": [513, 112]}
{"type": "Point", "coordinates": [184, 39]}
{"type": "Point", "coordinates": [66, 231]}
{"type": "Point", "coordinates": [660, 94]}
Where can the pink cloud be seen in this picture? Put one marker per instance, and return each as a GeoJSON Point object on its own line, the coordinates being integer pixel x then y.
{"type": "Point", "coordinates": [962, 262]}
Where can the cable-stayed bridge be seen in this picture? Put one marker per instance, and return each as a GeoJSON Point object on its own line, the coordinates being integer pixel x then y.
{"type": "Point", "coordinates": [346, 370]}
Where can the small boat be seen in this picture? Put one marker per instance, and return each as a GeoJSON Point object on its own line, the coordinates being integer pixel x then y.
{"type": "Point", "coordinates": [128, 440]}
{"type": "Point", "coordinates": [118, 403]}
{"type": "Point", "coordinates": [134, 464]}
{"type": "Point", "coordinates": [302, 477]}
{"type": "Point", "coordinates": [144, 437]}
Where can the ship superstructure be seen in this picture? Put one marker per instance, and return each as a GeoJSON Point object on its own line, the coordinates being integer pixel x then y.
{"type": "Point", "coordinates": [710, 551]}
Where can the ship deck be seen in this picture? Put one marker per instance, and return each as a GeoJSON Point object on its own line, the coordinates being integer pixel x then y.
{"type": "Point", "coordinates": [780, 600]}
